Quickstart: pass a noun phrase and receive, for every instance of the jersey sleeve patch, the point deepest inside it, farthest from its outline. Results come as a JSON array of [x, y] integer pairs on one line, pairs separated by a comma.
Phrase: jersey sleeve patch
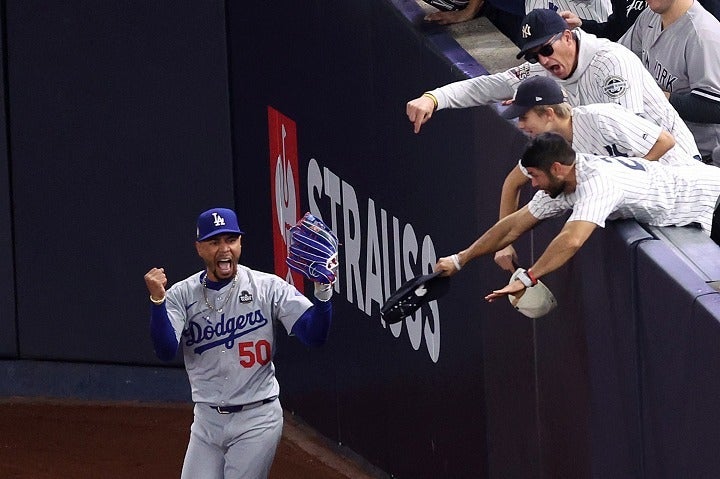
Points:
[[615, 86], [521, 72]]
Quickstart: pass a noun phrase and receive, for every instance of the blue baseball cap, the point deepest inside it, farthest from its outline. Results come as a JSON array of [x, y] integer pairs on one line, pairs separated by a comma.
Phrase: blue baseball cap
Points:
[[537, 90], [216, 221], [539, 26]]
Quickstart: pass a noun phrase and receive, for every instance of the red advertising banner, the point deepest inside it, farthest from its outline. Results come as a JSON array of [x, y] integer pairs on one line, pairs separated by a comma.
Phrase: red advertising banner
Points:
[[284, 188]]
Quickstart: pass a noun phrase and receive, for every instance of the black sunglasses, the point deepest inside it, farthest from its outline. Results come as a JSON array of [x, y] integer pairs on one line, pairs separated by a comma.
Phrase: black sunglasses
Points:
[[545, 50]]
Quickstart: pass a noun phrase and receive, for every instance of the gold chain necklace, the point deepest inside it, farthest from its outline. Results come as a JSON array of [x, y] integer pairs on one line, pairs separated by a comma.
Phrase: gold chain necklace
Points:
[[227, 298]]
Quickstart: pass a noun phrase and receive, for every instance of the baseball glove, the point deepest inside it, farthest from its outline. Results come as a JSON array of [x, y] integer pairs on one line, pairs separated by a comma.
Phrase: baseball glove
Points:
[[313, 250]]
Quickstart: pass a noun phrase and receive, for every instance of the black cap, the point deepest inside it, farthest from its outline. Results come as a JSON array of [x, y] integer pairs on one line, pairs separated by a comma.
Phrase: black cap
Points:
[[413, 294], [539, 26], [537, 90]]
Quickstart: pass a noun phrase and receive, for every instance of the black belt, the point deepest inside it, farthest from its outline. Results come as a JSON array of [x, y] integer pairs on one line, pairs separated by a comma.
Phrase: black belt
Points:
[[242, 407]]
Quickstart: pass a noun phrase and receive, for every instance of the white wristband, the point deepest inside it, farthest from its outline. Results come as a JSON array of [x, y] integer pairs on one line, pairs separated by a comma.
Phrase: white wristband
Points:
[[323, 292], [456, 261]]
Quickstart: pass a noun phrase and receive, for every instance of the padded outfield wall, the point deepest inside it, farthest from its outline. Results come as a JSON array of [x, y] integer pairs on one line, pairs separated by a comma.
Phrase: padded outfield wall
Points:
[[465, 389], [123, 120]]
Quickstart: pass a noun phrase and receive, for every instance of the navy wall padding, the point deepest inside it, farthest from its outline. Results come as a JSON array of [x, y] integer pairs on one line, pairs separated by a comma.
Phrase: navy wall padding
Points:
[[560, 396], [93, 381], [120, 137], [607, 308], [679, 337], [8, 318]]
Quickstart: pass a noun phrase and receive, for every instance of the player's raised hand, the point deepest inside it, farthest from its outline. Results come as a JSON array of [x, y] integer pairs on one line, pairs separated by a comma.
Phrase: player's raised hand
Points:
[[419, 111], [513, 288], [506, 258], [155, 280], [571, 18], [448, 265]]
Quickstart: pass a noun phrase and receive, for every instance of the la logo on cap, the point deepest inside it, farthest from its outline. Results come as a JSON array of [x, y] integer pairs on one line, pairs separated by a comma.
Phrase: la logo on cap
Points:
[[218, 220], [526, 30]]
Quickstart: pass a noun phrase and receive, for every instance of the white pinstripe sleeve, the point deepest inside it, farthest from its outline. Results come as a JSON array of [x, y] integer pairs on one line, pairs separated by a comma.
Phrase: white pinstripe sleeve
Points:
[[616, 78], [607, 129], [542, 207], [597, 199], [597, 10], [631, 134]]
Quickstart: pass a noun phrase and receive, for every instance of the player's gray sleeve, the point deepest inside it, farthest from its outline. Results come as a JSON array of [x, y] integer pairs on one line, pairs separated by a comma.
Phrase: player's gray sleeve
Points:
[[631, 40], [288, 303], [702, 103], [484, 89]]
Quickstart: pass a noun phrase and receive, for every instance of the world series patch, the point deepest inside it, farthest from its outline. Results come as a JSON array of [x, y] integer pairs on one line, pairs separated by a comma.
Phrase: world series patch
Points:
[[521, 72], [615, 86]]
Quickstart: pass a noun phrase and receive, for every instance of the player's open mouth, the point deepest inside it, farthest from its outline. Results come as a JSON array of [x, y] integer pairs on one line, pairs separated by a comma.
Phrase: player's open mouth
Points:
[[225, 266], [555, 70]]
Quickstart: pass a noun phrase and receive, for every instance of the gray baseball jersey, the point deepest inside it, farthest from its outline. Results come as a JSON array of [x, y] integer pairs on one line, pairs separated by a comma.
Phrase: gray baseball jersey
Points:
[[597, 10], [683, 57], [228, 350], [607, 72], [611, 130], [650, 192]]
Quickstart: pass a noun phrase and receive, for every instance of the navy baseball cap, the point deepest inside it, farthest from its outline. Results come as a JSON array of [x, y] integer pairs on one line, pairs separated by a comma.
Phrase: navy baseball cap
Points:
[[217, 221], [537, 90], [539, 26]]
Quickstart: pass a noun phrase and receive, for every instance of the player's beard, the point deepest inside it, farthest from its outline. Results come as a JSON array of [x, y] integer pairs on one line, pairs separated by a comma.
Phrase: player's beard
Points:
[[555, 186]]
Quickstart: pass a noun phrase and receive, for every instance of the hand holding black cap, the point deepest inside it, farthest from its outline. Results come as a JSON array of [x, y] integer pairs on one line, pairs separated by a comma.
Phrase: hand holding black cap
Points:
[[413, 294]]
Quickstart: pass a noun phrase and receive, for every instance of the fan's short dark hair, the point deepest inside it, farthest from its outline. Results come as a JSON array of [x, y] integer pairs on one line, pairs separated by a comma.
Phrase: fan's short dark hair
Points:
[[546, 149]]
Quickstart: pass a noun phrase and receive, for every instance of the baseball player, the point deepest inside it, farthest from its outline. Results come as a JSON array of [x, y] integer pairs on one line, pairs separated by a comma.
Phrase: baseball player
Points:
[[624, 13], [678, 41], [595, 189], [590, 69], [599, 129], [597, 10], [224, 317]]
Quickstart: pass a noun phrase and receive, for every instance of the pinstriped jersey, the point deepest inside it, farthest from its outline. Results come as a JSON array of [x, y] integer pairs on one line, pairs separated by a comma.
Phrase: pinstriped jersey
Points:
[[607, 72], [228, 350], [610, 130], [650, 192], [683, 57], [597, 10]]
